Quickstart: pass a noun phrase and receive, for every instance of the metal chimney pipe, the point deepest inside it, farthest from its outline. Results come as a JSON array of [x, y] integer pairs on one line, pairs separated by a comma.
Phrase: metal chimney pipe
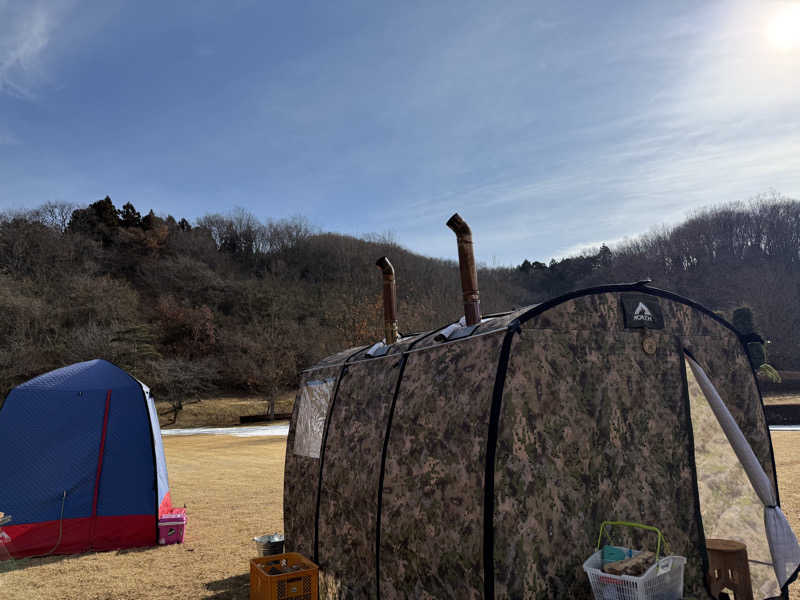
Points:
[[469, 274], [389, 300]]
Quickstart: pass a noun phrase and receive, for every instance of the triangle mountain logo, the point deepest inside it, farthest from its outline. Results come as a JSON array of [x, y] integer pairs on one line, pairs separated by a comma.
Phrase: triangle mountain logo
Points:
[[642, 313]]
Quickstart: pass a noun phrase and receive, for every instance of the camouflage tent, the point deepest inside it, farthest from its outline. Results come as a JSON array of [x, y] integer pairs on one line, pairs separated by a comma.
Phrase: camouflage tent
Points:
[[479, 462]]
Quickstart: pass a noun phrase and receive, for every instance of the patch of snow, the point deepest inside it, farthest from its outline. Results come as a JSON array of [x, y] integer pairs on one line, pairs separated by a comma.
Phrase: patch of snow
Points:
[[278, 430]]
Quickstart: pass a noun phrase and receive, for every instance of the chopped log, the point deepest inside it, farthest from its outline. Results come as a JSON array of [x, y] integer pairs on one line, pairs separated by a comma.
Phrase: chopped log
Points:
[[634, 566]]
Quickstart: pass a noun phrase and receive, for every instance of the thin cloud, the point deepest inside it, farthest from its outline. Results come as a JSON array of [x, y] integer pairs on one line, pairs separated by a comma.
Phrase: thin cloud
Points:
[[589, 247], [716, 129], [25, 33]]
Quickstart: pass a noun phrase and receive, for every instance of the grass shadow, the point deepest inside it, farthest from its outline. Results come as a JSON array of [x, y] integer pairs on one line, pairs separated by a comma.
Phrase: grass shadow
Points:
[[230, 588], [17, 564], [27, 563]]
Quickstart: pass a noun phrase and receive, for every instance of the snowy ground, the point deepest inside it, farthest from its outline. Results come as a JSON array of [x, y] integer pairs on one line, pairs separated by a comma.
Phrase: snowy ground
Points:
[[282, 429], [277, 430]]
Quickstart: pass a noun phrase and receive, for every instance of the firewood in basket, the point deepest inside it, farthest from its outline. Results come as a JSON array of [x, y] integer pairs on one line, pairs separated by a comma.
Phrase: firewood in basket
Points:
[[634, 566]]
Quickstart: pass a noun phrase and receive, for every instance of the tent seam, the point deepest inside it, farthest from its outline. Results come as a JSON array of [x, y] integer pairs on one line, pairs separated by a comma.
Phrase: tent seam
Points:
[[384, 454], [342, 373], [491, 454]]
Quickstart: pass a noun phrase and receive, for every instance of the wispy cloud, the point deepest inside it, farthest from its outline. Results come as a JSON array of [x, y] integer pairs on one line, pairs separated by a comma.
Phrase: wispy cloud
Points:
[[25, 33], [715, 123], [588, 247]]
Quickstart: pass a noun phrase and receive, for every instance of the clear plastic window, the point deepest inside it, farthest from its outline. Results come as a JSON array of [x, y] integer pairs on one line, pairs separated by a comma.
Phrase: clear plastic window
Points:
[[315, 397]]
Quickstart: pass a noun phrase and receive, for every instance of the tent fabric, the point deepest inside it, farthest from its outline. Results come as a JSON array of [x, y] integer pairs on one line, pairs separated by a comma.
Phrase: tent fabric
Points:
[[576, 418], [69, 536], [782, 541], [347, 464], [79, 467], [584, 437], [85, 376], [164, 500], [444, 461], [302, 472]]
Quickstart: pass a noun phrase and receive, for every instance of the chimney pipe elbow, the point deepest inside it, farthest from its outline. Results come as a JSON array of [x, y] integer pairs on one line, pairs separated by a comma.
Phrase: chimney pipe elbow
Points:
[[460, 227], [469, 272], [385, 266], [391, 332]]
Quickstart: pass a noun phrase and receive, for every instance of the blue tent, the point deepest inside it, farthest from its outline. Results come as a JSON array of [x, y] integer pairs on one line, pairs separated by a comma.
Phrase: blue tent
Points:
[[83, 466]]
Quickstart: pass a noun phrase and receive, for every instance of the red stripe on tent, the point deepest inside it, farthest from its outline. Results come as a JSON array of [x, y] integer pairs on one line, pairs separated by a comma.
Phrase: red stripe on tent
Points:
[[110, 533], [100, 463]]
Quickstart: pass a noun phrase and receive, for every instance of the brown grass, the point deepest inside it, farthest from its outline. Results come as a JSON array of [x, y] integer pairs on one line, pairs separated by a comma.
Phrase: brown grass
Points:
[[787, 462], [788, 398], [233, 490], [220, 412]]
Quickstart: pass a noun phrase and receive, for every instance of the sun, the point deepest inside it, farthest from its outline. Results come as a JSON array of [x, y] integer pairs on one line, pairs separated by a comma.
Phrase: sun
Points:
[[783, 29]]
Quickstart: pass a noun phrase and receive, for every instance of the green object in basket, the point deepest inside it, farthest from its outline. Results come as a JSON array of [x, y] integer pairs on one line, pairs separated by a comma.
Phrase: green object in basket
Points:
[[613, 554], [661, 541]]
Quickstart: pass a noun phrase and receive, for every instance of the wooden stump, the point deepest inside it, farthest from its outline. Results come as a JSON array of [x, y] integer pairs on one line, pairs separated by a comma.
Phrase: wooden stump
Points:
[[728, 568]]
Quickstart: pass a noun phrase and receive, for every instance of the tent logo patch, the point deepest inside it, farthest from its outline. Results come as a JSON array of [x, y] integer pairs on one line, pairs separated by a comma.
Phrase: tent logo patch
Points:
[[641, 311]]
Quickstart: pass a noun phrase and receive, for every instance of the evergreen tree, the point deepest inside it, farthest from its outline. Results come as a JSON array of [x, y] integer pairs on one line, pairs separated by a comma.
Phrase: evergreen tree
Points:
[[99, 220], [129, 216]]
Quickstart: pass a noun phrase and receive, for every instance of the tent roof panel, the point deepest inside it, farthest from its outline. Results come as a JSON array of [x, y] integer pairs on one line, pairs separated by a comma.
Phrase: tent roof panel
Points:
[[83, 376], [501, 321]]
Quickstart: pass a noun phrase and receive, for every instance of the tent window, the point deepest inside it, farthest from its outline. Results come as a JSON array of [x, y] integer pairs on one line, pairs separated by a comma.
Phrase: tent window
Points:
[[315, 397], [732, 485]]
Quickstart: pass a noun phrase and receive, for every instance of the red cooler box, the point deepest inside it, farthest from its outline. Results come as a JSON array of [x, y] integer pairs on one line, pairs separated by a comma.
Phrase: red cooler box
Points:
[[171, 527]]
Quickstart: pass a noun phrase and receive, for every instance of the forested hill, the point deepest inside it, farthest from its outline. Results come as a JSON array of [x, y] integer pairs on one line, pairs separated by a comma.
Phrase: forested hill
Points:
[[232, 305]]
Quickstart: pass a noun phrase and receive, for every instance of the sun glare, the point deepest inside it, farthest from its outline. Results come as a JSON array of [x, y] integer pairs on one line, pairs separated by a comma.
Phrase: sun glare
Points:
[[783, 29]]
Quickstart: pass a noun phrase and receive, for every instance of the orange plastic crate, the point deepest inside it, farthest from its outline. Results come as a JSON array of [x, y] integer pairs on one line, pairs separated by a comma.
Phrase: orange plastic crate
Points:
[[288, 576]]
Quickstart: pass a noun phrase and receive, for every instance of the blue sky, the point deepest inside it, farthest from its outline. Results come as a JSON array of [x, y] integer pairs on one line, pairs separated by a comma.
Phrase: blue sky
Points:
[[548, 126]]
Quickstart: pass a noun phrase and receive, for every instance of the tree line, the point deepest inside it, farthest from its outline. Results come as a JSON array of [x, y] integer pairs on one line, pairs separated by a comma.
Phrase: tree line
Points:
[[231, 304], [742, 254]]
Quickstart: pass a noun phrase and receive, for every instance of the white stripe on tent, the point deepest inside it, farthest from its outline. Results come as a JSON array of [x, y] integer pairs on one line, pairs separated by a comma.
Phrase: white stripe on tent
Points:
[[782, 541]]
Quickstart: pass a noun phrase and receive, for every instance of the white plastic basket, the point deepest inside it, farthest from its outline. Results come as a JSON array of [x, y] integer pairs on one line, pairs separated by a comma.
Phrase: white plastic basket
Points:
[[662, 581]]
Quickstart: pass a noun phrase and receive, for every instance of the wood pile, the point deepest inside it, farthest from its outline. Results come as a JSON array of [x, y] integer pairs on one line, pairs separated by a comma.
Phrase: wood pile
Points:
[[634, 566]]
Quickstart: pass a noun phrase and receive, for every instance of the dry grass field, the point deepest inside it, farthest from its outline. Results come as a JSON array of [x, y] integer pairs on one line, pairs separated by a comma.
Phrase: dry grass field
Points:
[[220, 412], [233, 490], [787, 398]]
